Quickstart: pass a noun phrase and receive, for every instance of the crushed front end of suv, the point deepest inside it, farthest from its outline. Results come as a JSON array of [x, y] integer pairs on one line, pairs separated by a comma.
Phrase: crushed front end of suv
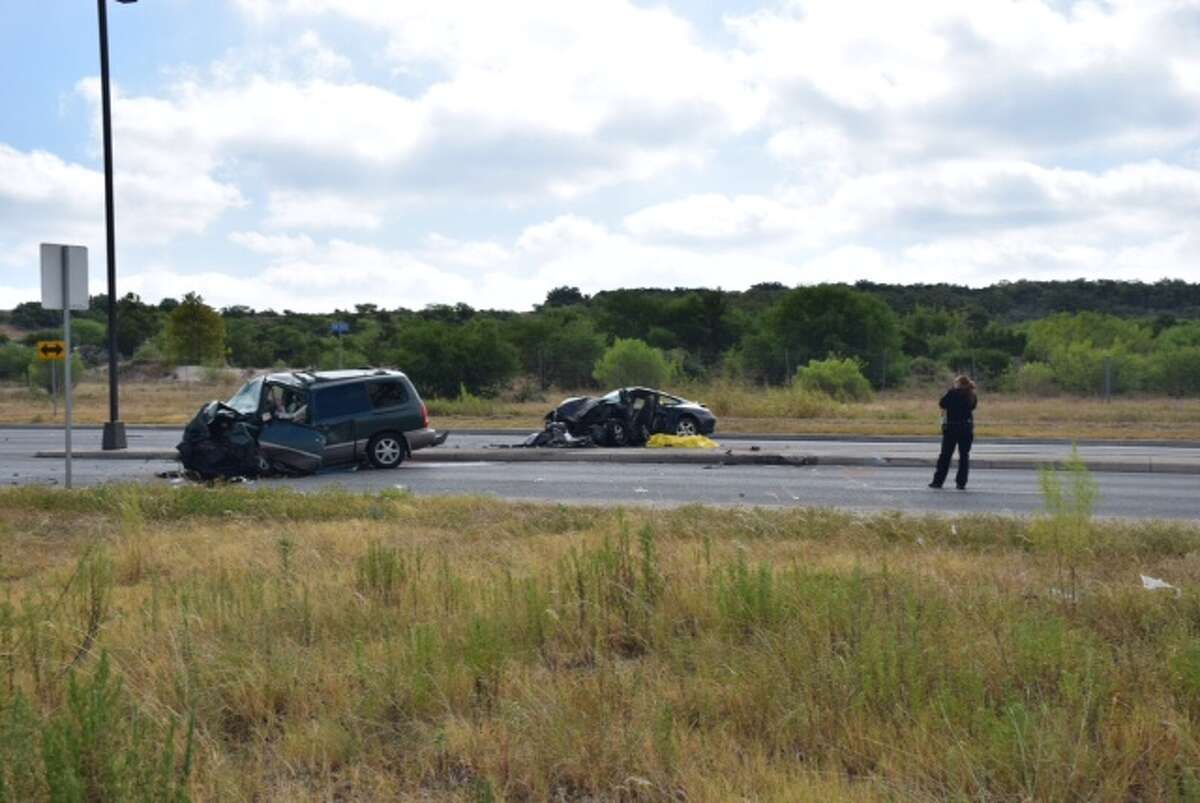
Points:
[[300, 421], [623, 417]]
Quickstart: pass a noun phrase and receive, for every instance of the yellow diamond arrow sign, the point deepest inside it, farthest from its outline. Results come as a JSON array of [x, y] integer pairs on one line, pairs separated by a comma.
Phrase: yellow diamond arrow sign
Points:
[[51, 350]]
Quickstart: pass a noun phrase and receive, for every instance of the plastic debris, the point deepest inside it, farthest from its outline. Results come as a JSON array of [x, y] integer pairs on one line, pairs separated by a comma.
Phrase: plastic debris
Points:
[[661, 441], [1154, 584]]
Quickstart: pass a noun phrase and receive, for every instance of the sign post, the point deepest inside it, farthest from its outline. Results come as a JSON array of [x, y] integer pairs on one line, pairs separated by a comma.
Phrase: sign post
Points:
[[64, 286], [339, 328]]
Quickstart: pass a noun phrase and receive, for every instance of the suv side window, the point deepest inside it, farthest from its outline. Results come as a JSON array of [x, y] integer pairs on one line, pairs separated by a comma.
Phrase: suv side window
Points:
[[387, 393], [341, 400]]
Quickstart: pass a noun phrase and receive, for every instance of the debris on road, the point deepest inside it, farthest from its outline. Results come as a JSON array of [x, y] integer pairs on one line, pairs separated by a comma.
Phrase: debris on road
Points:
[[556, 436]]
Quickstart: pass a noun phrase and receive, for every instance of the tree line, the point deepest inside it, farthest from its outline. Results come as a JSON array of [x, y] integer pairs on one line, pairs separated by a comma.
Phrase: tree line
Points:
[[1033, 337]]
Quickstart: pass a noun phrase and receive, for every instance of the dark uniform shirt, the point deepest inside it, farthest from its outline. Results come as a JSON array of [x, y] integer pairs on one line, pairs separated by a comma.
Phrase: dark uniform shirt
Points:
[[958, 404]]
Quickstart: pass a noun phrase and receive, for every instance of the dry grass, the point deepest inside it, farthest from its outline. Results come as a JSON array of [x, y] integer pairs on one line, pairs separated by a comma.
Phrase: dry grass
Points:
[[141, 402], [738, 409], [337, 646]]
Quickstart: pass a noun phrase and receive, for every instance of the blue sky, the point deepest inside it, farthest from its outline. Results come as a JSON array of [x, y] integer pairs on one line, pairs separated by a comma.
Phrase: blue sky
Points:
[[312, 154]]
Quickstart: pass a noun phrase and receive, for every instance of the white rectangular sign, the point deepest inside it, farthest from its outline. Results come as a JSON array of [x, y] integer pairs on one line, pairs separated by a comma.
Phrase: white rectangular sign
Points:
[[52, 276]]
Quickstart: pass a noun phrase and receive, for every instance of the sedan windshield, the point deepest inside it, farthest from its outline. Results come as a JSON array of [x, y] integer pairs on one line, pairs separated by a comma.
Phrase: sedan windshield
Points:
[[246, 399]]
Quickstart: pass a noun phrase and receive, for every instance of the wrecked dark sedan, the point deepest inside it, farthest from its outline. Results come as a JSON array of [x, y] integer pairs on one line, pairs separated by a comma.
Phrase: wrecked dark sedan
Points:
[[629, 416], [299, 421]]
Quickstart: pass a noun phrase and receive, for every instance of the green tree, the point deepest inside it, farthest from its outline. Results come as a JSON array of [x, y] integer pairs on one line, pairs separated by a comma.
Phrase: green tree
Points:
[[31, 315], [811, 323], [442, 358], [558, 346], [195, 333], [248, 347], [564, 297], [632, 362], [136, 323]]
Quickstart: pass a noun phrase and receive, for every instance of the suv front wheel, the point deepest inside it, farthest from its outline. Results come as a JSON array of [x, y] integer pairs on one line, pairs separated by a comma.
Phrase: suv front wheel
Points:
[[386, 450]]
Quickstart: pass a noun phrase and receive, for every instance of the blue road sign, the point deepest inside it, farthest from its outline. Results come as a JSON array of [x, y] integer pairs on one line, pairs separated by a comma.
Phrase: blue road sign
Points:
[[340, 328]]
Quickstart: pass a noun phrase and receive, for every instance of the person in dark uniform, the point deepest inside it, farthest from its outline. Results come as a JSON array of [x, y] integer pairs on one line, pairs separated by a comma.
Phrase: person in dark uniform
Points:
[[958, 431]]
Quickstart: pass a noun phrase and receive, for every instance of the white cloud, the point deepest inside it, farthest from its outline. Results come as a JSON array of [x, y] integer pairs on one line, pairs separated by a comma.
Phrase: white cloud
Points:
[[713, 216], [289, 209], [281, 245], [543, 97], [1013, 79], [46, 199]]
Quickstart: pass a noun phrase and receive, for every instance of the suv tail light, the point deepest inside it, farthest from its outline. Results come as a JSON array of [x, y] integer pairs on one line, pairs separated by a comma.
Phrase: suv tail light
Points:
[[424, 415]]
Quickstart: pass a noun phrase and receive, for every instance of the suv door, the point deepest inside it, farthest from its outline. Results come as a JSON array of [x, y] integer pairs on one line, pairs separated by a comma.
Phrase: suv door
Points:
[[286, 441], [336, 411]]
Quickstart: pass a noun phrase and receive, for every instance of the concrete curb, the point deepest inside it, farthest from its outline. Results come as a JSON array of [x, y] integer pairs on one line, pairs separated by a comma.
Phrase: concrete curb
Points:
[[697, 457], [520, 434]]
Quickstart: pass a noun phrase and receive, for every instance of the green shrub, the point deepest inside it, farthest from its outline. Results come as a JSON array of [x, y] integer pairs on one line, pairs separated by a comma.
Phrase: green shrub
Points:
[[86, 332], [14, 360], [987, 364], [632, 362], [1080, 368], [40, 373], [1175, 371], [1034, 379], [923, 371], [153, 352], [465, 404], [842, 379]]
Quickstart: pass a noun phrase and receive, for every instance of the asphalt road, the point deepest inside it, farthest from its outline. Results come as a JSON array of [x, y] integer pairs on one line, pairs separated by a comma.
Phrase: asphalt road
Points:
[[865, 489]]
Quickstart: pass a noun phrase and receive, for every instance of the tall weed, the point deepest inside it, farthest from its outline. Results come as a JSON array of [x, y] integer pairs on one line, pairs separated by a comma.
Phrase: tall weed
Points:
[[1066, 532]]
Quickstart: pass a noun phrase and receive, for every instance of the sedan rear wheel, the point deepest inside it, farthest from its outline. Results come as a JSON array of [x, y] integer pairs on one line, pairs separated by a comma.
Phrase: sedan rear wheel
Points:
[[385, 450], [617, 435], [687, 426]]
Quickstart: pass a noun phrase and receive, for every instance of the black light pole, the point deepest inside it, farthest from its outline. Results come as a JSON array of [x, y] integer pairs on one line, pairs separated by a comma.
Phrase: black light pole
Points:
[[114, 428]]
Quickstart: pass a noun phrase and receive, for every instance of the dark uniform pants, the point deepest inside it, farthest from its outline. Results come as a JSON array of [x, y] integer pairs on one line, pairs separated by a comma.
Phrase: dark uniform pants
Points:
[[960, 436]]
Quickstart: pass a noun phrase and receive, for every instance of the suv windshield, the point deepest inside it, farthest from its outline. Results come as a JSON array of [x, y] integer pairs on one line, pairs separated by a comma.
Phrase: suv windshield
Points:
[[246, 399]]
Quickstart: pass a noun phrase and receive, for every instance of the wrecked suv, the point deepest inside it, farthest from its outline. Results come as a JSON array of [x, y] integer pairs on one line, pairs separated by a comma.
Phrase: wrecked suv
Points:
[[299, 421], [629, 416]]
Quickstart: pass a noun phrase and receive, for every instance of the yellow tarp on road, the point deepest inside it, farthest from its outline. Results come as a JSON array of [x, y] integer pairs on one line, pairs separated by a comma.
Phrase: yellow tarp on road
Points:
[[680, 442]]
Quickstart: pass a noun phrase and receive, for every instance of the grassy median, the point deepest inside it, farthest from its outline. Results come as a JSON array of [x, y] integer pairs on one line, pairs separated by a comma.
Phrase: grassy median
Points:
[[241, 644], [739, 409]]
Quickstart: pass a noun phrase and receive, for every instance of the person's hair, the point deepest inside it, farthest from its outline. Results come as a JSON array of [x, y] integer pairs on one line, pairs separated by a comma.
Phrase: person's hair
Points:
[[964, 382]]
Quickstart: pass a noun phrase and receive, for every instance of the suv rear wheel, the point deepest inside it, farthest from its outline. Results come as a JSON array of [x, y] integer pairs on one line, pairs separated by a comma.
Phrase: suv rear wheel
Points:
[[386, 450]]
